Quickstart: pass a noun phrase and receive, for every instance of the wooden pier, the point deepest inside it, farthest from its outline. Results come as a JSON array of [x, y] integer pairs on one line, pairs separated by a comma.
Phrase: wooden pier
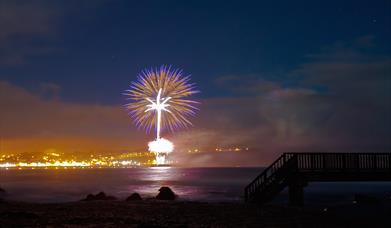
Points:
[[295, 170]]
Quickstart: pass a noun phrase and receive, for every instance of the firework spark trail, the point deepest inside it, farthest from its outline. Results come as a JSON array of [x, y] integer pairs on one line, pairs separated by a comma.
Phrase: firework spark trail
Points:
[[174, 90]]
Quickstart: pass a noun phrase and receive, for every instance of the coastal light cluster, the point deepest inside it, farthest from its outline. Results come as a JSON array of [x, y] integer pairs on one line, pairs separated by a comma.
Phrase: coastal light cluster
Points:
[[81, 164], [60, 160]]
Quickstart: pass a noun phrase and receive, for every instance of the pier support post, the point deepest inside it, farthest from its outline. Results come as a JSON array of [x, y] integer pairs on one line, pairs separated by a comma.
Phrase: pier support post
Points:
[[296, 191]]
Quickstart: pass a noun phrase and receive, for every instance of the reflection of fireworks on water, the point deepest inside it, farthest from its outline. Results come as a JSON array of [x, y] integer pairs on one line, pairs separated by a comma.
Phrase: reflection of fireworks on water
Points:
[[156, 91]]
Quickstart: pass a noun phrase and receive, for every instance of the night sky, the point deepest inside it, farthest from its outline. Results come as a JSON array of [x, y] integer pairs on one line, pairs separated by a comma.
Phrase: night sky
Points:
[[274, 76]]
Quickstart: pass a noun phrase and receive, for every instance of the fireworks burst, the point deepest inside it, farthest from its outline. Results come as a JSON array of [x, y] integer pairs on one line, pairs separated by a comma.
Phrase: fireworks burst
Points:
[[157, 90]]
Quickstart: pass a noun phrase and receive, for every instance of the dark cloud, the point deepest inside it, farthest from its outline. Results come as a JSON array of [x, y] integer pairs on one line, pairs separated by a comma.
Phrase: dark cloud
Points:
[[24, 21], [50, 90], [360, 86], [367, 41], [26, 18], [34, 28], [247, 85]]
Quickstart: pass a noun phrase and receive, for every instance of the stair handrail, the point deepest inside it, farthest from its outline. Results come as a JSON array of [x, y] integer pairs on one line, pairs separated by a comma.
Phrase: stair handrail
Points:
[[266, 174]]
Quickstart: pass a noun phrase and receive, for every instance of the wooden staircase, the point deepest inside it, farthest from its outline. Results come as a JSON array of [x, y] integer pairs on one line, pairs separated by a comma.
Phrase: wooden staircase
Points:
[[295, 170]]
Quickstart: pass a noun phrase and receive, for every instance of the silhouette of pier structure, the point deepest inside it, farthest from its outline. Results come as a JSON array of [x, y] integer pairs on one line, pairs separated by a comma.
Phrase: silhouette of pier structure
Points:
[[295, 170]]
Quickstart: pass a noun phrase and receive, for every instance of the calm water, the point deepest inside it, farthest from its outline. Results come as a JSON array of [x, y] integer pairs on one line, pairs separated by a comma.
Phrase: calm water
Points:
[[204, 184]]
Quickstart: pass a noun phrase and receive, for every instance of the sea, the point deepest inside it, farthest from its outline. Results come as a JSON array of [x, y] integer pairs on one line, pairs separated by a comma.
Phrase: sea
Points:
[[190, 184]]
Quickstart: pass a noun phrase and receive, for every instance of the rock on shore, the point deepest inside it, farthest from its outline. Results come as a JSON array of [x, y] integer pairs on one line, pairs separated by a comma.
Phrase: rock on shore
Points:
[[134, 197], [165, 193], [99, 196]]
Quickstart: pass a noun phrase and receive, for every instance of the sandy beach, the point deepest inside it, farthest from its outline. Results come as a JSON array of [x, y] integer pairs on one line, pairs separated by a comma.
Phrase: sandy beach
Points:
[[140, 214], [153, 213]]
